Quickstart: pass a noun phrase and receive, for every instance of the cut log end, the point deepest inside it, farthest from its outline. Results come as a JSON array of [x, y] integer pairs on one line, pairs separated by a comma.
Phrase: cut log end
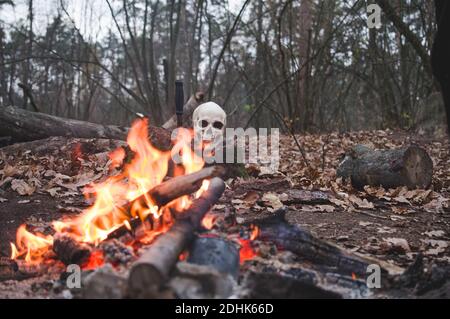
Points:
[[410, 166], [418, 167]]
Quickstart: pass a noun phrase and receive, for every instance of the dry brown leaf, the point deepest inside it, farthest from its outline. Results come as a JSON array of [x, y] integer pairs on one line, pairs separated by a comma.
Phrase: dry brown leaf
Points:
[[435, 233], [21, 187], [53, 191], [398, 243], [401, 210], [402, 199], [272, 200], [361, 203], [250, 198], [437, 246]]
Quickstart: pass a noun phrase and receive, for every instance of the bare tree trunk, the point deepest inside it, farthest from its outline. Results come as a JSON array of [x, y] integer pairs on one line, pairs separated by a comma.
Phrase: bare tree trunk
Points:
[[172, 63], [224, 47], [304, 43], [28, 70], [407, 33], [441, 53], [3, 74], [153, 70]]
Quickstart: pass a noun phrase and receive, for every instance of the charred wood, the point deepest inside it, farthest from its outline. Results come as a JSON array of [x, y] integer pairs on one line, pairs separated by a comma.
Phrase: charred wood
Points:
[[152, 269], [312, 249], [8, 269], [69, 251]]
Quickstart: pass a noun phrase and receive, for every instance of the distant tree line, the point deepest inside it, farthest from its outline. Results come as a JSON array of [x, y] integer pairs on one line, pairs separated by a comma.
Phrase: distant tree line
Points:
[[302, 65]]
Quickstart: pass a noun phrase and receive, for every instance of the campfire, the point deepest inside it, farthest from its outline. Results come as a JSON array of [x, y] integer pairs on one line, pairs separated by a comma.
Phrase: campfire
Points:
[[142, 200]]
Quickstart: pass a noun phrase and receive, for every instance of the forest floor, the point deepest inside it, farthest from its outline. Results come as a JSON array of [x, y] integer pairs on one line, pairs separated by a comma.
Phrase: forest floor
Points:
[[392, 225]]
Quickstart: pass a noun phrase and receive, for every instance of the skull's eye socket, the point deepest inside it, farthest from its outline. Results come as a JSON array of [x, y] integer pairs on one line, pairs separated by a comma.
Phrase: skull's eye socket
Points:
[[204, 123], [218, 125]]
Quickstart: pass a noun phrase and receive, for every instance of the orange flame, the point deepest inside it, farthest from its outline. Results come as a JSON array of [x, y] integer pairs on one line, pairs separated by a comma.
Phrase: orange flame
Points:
[[33, 246], [255, 232], [147, 169], [117, 157], [208, 221]]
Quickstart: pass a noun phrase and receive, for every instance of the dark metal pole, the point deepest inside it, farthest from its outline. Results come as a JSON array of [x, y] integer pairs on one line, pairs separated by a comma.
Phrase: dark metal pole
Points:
[[179, 102]]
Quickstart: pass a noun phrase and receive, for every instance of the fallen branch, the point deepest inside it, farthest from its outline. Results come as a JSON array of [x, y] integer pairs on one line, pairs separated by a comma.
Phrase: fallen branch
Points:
[[23, 125], [152, 269], [318, 251]]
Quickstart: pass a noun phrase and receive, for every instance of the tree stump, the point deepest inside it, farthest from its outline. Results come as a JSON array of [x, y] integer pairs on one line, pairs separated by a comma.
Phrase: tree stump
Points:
[[409, 166]]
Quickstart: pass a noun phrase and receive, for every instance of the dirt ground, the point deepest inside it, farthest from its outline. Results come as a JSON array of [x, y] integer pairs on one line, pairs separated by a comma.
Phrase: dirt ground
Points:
[[392, 225]]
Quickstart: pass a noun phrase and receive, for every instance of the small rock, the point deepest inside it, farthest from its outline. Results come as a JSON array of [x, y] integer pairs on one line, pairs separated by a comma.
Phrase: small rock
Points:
[[103, 283], [196, 281]]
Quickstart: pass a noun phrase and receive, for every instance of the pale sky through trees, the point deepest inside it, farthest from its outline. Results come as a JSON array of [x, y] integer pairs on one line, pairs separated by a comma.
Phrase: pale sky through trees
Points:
[[92, 17]]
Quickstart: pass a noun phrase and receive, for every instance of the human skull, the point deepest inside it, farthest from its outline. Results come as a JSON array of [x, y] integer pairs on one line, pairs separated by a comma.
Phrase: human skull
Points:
[[209, 121]]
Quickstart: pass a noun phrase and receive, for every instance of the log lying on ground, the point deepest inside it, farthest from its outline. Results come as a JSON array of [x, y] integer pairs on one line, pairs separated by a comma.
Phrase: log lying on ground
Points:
[[266, 285], [409, 166], [22, 126], [315, 250], [152, 269]]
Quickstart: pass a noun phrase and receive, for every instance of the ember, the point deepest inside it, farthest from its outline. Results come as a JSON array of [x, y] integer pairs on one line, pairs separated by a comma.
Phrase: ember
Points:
[[247, 251], [96, 259]]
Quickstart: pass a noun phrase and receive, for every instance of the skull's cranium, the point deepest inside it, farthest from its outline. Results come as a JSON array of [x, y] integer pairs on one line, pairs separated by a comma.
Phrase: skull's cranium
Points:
[[209, 121]]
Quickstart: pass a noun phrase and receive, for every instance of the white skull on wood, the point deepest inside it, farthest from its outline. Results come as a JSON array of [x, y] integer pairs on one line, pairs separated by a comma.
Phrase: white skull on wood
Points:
[[209, 121]]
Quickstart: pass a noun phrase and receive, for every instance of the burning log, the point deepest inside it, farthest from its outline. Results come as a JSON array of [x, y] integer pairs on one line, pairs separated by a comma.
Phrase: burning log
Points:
[[69, 251], [410, 166], [179, 186], [166, 192], [154, 266], [22, 125], [8, 269]]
